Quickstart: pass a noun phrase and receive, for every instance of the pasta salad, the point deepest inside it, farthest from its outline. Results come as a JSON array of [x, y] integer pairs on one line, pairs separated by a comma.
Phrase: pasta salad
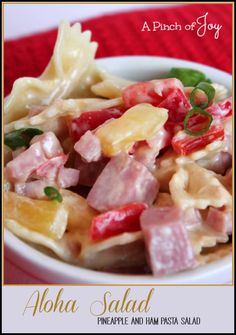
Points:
[[116, 175]]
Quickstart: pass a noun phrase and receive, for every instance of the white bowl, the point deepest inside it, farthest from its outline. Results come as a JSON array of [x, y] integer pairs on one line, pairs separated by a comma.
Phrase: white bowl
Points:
[[54, 271]]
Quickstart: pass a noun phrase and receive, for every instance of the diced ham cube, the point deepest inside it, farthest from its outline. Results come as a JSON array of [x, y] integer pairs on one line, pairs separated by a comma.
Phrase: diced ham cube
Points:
[[122, 181], [20, 188], [89, 147], [166, 239], [67, 177], [20, 168], [147, 151], [50, 168], [17, 152], [50, 144], [33, 189], [218, 162], [220, 219]]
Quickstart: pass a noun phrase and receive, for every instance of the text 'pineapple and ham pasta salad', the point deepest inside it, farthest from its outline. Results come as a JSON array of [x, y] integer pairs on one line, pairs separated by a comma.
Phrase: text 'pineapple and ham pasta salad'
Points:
[[116, 175]]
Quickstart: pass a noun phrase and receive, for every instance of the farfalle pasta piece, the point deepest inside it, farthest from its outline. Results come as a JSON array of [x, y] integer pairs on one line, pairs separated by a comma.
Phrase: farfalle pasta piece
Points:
[[194, 186], [75, 246], [205, 237], [221, 92], [215, 253], [166, 167], [72, 61], [80, 214], [60, 108], [110, 86], [58, 247], [122, 251], [109, 253]]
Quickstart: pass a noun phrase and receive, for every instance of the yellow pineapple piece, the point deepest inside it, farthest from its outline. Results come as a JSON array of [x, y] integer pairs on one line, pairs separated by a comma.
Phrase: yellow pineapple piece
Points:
[[46, 217], [139, 123]]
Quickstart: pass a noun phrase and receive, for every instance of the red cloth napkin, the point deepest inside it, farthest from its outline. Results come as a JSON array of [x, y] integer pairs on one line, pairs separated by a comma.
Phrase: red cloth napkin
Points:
[[120, 34]]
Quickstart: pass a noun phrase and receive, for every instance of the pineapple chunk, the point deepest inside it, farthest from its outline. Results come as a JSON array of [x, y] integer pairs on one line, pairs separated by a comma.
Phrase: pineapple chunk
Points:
[[46, 217], [139, 123]]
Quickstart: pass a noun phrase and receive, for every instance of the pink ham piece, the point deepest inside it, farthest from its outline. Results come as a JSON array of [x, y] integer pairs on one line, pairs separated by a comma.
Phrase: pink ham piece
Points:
[[33, 189], [67, 177], [17, 152], [122, 181], [220, 219], [50, 144], [168, 246], [53, 171], [50, 168], [89, 147], [19, 169], [147, 151], [218, 163]]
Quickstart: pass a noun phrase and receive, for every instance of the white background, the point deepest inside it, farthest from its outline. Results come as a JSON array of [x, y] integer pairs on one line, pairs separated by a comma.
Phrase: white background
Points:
[[24, 19]]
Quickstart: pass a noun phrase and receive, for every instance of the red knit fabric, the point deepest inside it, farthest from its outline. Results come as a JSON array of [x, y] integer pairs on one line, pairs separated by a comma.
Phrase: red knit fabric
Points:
[[120, 34]]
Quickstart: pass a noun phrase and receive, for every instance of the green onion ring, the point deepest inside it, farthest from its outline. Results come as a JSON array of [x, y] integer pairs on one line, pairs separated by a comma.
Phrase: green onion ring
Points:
[[21, 137], [207, 89], [197, 110], [52, 193]]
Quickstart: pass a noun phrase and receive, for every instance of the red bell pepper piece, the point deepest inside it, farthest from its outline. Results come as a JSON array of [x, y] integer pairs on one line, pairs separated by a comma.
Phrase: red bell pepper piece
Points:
[[177, 104], [164, 93], [91, 120], [184, 144], [117, 221]]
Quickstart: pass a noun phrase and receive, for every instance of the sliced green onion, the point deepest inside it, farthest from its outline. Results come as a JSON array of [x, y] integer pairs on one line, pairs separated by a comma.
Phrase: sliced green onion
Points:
[[21, 137], [207, 89], [193, 111], [189, 77], [52, 193]]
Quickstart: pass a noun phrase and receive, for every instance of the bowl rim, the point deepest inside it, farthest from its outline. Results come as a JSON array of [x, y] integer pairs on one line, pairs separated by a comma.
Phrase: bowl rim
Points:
[[202, 275]]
